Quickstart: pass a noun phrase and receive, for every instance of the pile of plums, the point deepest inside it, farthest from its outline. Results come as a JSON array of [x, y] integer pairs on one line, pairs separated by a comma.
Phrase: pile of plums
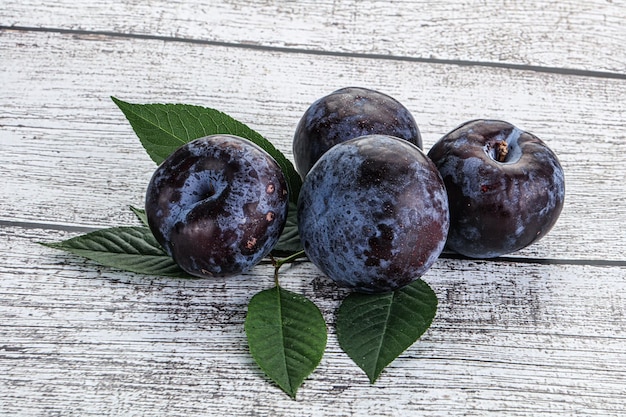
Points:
[[375, 211]]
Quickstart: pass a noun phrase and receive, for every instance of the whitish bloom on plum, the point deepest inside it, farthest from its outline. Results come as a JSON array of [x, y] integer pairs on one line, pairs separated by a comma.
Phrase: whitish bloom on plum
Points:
[[373, 213], [217, 205]]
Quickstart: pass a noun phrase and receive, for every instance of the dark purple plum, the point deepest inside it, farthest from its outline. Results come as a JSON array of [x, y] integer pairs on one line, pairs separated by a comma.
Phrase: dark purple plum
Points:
[[373, 213], [505, 187], [346, 114], [217, 205]]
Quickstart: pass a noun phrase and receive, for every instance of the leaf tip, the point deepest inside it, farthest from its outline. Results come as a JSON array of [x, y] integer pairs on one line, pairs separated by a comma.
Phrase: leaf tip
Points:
[[373, 377], [121, 104], [53, 245]]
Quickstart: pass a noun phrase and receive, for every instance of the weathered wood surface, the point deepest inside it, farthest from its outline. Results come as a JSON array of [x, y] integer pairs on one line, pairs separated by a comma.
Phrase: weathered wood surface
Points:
[[558, 34], [510, 337], [581, 118]]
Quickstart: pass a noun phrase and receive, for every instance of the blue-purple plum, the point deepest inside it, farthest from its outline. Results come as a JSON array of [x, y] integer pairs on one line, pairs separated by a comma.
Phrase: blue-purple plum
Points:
[[373, 213], [505, 187], [217, 205], [346, 114]]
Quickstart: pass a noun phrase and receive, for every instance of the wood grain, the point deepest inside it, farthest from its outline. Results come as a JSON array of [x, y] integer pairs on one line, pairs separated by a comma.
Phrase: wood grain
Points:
[[555, 34], [512, 337], [78, 339], [66, 136]]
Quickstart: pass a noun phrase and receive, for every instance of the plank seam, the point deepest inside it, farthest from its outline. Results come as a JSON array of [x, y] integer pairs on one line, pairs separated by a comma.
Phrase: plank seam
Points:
[[577, 72], [446, 255]]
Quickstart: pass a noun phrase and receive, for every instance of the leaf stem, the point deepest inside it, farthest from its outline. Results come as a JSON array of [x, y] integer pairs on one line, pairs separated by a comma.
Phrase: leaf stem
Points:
[[278, 263]]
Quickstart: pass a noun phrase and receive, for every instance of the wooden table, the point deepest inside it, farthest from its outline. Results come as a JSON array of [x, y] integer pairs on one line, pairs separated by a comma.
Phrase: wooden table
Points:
[[542, 332]]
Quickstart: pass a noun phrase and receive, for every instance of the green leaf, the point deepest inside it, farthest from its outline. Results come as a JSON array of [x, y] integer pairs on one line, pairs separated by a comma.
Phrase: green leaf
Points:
[[374, 329], [163, 128], [131, 249], [286, 335], [141, 215], [289, 241]]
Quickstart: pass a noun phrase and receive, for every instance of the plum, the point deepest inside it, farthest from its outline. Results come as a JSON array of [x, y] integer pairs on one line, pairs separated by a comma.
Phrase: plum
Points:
[[505, 187], [373, 213], [217, 205], [346, 114]]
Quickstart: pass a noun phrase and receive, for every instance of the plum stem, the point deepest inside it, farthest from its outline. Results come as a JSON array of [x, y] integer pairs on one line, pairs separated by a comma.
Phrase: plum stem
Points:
[[277, 263], [502, 150]]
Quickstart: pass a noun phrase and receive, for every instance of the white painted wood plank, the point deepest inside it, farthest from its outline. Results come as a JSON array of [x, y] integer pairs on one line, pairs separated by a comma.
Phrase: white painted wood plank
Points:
[[508, 339], [586, 35], [69, 156]]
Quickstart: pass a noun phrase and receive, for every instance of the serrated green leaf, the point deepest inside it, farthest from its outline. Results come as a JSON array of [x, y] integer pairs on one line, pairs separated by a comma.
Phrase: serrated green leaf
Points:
[[374, 329], [286, 335], [163, 128], [131, 249], [289, 241], [141, 215]]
